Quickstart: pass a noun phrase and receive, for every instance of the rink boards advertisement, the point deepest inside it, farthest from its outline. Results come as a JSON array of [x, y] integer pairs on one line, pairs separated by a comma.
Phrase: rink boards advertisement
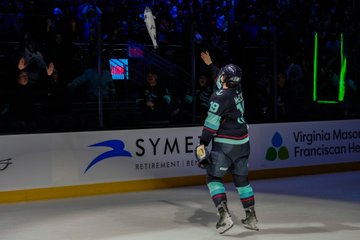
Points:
[[79, 158]]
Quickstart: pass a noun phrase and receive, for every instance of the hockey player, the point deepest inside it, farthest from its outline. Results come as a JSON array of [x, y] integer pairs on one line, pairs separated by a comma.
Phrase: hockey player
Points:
[[226, 128]]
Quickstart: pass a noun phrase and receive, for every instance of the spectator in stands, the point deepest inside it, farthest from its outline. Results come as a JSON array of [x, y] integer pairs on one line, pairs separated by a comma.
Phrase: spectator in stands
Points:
[[12, 17], [89, 14], [59, 51], [262, 91], [90, 79], [154, 99], [32, 60], [34, 74], [202, 96], [295, 87], [24, 105]]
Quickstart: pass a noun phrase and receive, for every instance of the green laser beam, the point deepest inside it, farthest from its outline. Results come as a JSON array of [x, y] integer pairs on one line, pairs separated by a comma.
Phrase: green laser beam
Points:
[[342, 75], [315, 68], [326, 102], [342, 72]]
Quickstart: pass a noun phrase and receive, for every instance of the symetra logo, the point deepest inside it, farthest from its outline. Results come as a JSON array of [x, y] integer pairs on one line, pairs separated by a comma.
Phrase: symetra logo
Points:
[[4, 163], [118, 150], [277, 150]]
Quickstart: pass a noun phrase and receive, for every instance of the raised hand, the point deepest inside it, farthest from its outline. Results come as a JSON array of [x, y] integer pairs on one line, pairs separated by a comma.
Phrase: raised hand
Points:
[[22, 64], [205, 56], [50, 69]]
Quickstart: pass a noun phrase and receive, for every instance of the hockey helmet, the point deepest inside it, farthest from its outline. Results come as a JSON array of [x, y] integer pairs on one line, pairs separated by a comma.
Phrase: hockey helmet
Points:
[[232, 74]]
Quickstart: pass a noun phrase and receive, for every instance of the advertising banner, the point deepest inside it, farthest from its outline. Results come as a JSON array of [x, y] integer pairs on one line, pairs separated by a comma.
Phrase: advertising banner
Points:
[[286, 145], [78, 158]]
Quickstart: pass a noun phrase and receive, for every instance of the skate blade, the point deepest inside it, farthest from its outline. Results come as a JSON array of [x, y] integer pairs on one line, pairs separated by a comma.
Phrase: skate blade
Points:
[[225, 228], [254, 228]]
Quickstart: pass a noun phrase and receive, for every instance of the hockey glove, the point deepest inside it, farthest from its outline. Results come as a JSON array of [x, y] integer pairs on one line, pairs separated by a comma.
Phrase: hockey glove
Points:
[[202, 156]]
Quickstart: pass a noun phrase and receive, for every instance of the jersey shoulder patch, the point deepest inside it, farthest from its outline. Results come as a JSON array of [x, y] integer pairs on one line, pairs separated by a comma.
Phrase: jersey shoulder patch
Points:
[[219, 92]]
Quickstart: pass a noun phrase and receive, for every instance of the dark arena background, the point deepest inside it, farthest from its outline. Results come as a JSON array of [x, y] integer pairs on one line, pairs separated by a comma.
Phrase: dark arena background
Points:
[[89, 150], [292, 54]]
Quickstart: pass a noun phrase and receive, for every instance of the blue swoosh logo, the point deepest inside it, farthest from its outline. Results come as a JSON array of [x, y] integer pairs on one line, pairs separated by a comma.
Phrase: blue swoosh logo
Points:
[[118, 150]]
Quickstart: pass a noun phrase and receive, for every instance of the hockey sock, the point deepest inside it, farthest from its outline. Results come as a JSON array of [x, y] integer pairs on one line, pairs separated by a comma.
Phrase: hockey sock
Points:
[[217, 192], [246, 195]]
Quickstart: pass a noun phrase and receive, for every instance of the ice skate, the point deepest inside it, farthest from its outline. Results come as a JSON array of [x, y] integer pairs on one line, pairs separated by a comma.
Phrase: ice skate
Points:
[[250, 221], [225, 222]]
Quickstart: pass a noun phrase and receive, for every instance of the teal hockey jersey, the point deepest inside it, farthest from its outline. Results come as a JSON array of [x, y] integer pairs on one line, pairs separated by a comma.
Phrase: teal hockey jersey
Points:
[[225, 121]]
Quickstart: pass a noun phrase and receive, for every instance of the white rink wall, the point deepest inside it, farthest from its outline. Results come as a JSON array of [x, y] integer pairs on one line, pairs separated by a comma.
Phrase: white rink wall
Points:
[[64, 159]]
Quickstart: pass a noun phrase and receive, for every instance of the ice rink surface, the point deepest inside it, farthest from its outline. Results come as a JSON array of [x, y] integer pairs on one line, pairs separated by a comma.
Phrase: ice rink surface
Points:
[[314, 207]]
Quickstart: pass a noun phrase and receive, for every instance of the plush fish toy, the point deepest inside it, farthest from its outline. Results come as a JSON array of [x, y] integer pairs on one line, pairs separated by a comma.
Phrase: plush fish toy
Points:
[[150, 25]]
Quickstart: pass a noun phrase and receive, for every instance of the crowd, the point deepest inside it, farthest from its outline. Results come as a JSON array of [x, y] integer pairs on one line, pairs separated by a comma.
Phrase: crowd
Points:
[[55, 44]]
